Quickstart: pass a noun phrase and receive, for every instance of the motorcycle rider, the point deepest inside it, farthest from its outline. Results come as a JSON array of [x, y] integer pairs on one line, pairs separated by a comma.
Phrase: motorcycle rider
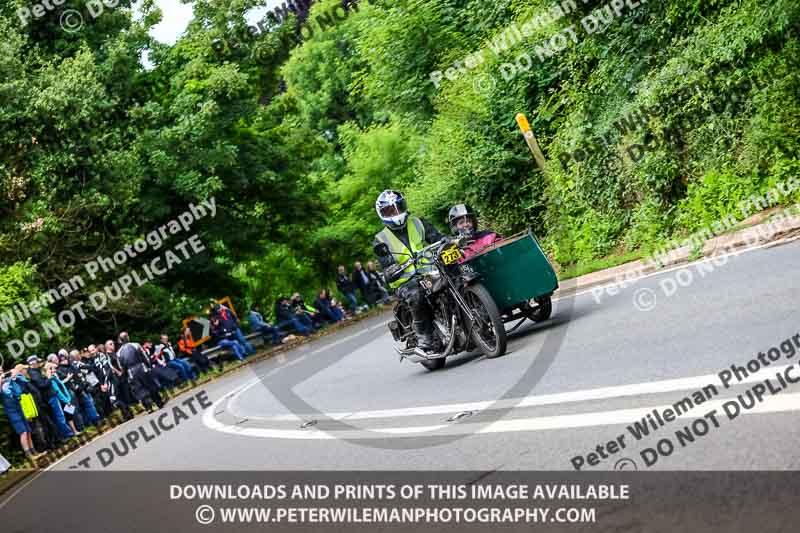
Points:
[[464, 223], [403, 235]]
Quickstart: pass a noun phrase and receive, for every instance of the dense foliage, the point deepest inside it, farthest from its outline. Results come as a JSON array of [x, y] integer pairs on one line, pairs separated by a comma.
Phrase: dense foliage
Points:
[[294, 137]]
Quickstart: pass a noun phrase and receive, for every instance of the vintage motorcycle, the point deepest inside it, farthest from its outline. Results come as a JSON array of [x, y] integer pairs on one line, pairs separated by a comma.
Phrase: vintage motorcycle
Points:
[[465, 316], [509, 280]]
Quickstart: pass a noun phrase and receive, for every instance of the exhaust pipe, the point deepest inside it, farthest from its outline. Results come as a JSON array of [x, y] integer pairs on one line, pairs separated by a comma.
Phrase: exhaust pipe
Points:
[[415, 355]]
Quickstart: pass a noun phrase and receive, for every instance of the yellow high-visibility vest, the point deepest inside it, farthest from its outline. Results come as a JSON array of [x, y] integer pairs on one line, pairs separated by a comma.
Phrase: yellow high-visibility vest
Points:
[[416, 239]]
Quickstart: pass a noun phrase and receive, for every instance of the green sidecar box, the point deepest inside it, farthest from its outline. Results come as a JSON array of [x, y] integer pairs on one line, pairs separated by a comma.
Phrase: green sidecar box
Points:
[[515, 271]]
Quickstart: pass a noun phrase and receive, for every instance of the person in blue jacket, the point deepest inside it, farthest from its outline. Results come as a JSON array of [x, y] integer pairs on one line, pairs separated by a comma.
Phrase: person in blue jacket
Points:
[[10, 393], [60, 398], [257, 323]]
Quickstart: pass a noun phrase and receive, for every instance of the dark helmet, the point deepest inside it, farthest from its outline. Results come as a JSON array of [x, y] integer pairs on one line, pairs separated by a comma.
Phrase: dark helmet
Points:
[[458, 212]]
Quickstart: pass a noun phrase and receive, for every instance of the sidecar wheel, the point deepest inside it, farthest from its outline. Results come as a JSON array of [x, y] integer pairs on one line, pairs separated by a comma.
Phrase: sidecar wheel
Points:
[[543, 311]]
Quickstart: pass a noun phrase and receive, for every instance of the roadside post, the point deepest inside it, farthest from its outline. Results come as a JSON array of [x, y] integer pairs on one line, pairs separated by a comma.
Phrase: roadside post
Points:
[[527, 132]]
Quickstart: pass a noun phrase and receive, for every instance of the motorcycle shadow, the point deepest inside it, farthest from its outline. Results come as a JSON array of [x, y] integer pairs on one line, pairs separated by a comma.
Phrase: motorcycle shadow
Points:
[[525, 330], [530, 328]]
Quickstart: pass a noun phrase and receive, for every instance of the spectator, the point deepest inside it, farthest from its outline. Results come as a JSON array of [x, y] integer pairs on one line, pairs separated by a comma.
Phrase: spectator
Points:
[[147, 349], [346, 287], [106, 372], [189, 349], [257, 323], [184, 369], [165, 376], [71, 375], [89, 384], [326, 308], [306, 313], [335, 304], [41, 381], [226, 338], [286, 317], [10, 394], [231, 323], [376, 283], [44, 431], [123, 393], [59, 398], [137, 368], [361, 280], [87, 366], [69, 400]]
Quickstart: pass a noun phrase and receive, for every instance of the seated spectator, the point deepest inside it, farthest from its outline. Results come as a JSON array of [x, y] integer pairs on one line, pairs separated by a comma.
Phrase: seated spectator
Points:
[[231, 323], [10, 394], [348, 290], [287, 318], [184, 369], [189, 349], [307, 311], [336, 304], [326, 308], [165, 376], [226, 338], [257, 323]]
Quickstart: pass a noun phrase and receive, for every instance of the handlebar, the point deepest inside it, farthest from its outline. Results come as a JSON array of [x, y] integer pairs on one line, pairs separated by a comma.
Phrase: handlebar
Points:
[[441, 243]]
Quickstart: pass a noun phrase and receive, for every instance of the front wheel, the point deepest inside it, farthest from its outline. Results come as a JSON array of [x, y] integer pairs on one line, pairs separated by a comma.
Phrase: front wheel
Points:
[[489, 332]]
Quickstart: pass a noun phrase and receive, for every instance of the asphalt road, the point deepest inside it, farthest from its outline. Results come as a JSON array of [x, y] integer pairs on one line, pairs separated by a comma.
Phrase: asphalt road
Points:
[[566, 386]]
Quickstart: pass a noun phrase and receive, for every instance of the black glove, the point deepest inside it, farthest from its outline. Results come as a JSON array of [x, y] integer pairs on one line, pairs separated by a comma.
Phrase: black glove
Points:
[[391, 273]]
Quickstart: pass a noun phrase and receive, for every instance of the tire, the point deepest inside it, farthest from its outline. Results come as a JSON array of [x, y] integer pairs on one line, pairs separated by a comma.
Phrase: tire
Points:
[[487, 310], [543, 311], [434, 364]]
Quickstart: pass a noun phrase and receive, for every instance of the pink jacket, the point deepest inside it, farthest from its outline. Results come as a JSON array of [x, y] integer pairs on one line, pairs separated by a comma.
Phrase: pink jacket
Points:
[[484, 239]]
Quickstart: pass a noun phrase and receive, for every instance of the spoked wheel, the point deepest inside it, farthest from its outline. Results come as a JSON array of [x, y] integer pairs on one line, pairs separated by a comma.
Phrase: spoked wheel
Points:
[[489, 333], [543, 311]]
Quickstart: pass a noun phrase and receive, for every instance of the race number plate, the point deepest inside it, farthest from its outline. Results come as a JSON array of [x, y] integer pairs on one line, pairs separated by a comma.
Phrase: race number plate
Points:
[[451, 255]]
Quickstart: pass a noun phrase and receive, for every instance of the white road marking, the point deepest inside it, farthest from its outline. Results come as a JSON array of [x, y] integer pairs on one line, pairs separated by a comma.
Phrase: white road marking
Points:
[[602, 393], [772, 404], [575, 396]]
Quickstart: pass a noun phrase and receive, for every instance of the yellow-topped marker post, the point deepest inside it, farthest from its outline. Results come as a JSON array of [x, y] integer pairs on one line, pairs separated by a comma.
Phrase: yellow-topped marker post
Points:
[[527, 132]]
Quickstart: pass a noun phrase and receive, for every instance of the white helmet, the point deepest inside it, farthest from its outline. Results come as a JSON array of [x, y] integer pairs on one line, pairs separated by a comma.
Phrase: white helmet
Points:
[[391, 208]]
